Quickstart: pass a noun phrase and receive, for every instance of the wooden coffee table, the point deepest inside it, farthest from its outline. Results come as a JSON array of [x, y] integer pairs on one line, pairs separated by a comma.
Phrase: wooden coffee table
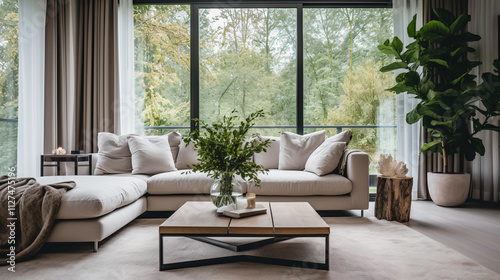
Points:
[[284, 220]]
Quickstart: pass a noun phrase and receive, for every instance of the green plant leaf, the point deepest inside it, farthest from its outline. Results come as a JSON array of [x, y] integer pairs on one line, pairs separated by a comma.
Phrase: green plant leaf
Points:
[[440, 62], [399, 88], [431, 94], [459, 51], [398, 45], [426, 87], [412, 78], [468, 37], [412, 45], [413, 116], [460, 23], [400, 77], [393, 66], [454, 82], [478, 147], [445, 16], [388, 48], [412, 27], [429, 145], [434, 31]]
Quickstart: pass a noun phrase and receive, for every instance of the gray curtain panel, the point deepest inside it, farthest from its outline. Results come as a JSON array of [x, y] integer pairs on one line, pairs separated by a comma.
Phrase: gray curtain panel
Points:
[[97, 95], [428, 161], [81, 73], [60, 61]]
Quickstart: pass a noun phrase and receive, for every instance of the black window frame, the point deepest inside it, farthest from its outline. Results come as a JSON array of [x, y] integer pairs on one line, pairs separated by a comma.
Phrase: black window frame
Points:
[[299, 5]]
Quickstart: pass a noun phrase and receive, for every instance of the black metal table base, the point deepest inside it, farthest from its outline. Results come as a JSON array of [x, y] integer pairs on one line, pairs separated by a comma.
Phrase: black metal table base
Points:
[[246, 258]]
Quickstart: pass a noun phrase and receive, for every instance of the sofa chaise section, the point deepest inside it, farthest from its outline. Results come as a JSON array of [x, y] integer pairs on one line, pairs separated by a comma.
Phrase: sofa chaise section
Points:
[[97, 207]]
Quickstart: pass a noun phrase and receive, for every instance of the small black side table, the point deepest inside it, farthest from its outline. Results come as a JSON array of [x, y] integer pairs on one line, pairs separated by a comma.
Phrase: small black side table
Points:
[[76, 158]]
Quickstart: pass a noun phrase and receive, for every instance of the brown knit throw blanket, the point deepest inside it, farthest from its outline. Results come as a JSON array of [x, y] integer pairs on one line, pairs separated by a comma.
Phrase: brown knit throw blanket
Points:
[[26, 227]]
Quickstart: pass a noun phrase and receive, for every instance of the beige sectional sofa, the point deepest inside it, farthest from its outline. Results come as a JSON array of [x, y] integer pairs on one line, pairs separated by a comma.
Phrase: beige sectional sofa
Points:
[[102, 204]]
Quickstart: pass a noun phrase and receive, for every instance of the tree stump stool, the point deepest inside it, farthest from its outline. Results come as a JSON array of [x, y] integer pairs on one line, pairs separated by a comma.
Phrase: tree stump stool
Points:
[[393, 200]]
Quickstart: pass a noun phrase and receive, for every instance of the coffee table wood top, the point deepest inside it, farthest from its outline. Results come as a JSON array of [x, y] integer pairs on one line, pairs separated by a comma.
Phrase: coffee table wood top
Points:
[[282, 218]]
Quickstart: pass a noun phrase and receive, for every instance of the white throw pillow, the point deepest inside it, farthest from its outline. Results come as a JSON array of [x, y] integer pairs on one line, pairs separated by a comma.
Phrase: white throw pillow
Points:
[[114, 154], [325, 158], [187, 157], [151, 154], [270, 158], [295, 149]]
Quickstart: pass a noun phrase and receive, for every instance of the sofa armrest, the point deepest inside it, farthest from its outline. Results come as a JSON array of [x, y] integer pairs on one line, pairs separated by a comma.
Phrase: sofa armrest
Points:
[[357, 171], [95, 158]]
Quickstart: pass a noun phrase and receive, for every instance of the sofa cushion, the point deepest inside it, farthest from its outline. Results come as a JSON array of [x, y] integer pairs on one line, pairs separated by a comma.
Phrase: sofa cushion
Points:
[[325, 158], [95, 196], [295, 149], [187, 156], [151, 155], [177, 183], [300, 183], [270, 158], [114, 154]]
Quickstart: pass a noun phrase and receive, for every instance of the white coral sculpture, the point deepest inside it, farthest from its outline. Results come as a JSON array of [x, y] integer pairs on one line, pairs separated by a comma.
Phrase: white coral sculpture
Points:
[[385, 165], [400, 170], [389, 167]]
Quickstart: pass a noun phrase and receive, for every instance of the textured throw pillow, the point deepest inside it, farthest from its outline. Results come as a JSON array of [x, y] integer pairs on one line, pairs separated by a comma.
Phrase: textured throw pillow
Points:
[[344, 136], [114, 154], [325, 158], [174, 140], [295, 149], [151, 154], [187, 157], [270, 158]]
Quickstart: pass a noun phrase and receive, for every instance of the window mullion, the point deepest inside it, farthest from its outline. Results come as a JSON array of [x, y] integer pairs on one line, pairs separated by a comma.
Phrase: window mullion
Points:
[[195, 66], [300, 71]]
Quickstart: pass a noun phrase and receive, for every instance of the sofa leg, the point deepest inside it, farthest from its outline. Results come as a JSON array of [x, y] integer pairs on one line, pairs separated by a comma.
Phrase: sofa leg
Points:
[[362, 213], [96, 246]]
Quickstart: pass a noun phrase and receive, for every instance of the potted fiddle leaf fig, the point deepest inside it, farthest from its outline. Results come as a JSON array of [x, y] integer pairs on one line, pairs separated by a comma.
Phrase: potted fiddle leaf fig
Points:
[[435, 68]]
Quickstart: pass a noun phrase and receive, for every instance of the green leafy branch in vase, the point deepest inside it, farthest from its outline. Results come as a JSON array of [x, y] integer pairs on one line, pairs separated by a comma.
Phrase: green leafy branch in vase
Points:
[[225, 150]]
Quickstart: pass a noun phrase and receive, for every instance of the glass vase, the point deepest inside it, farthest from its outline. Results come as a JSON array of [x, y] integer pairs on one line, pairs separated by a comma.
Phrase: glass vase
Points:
[[225, 192]]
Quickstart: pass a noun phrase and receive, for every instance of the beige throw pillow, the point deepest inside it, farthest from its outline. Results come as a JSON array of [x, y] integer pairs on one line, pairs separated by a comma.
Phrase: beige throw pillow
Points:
[[325, 158], [114, 154], [270, 158], [151, 154], [187, 157], [295, 149], [344, 136]]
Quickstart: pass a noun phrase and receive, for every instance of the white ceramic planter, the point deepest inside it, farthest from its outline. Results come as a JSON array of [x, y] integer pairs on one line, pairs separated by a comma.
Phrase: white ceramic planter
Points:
[[448, 189]]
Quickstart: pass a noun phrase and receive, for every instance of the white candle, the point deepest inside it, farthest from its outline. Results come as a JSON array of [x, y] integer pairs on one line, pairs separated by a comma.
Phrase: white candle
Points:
[[250, 200]]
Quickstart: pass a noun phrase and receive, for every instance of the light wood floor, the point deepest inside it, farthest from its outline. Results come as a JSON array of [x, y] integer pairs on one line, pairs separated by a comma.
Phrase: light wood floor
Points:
[[472, 229]]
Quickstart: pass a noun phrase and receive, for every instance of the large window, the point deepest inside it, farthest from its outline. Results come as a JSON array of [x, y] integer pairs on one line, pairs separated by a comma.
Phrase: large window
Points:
[[342, 81], [9, 76], [309, 68], [162, 67], [247, 63]]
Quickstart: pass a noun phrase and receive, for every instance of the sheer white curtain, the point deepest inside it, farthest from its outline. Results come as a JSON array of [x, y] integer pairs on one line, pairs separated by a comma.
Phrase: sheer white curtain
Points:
[[126, 62], [31, 86], [408, 135], [485, 169]]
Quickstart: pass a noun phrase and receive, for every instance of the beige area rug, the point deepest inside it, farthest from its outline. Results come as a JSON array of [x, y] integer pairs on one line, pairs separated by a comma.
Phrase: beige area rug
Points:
[[360, 248]]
